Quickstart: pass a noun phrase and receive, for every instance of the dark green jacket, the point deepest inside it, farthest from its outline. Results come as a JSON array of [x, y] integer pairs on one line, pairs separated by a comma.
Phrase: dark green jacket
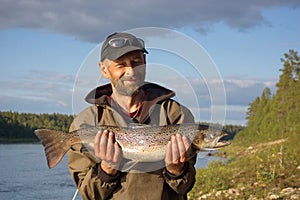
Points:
[[158, 109]]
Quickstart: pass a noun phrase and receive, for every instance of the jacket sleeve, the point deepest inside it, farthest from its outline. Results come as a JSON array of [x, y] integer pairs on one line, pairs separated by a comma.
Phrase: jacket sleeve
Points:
[[84, 167], [183, 183]]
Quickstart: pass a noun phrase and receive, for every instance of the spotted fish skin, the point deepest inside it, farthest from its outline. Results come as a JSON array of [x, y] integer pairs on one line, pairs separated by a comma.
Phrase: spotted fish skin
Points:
[[138, 143]]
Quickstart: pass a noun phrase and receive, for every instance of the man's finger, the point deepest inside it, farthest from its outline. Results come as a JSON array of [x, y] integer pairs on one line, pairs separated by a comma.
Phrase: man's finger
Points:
[[103, 145], [96, 143], [117, 153], [175, 150], [168, 158], [181, 147], [110, 147], [186, 146], [186, 142]]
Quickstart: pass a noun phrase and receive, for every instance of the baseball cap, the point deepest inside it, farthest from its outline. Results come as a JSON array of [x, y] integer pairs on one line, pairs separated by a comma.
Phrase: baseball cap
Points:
[[118, 44]]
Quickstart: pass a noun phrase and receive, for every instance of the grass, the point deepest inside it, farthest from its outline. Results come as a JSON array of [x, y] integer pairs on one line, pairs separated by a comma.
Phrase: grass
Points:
[[253, 169]]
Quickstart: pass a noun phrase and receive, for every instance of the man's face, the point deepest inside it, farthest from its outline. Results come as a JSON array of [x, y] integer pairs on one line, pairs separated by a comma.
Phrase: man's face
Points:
[[127, 73]]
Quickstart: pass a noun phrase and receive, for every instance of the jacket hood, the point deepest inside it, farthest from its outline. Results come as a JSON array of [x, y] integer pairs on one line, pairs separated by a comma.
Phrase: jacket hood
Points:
[[153, 93]]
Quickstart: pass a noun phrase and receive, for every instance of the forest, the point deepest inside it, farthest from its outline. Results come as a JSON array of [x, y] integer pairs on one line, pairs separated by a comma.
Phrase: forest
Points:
[[19, 127]]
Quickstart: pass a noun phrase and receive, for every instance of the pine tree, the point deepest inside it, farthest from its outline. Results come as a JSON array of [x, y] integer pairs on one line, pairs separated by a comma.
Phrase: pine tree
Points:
[[251, 113], [286, 100]]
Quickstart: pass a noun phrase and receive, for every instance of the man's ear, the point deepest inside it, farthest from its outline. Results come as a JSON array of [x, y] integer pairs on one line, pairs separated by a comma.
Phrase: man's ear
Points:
[[103, 69]]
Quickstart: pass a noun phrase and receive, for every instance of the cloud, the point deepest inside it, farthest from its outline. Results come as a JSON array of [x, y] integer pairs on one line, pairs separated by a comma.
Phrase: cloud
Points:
[[243, 91], [93, 20], [37, 91], [33, 105], [239, 92]]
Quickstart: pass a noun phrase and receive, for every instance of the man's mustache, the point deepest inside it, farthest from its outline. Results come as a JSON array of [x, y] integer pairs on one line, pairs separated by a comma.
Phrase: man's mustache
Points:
[[131, 78]]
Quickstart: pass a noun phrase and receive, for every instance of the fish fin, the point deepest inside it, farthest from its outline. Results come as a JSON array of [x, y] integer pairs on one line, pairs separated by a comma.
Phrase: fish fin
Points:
[[137, 125], [52, 141]]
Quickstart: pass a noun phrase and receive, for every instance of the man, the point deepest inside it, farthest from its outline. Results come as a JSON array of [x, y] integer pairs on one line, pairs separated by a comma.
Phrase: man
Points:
[[127, 100]]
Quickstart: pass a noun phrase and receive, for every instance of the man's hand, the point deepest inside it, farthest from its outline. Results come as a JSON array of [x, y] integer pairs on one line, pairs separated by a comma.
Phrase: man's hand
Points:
[[108, 151], [176, 154]]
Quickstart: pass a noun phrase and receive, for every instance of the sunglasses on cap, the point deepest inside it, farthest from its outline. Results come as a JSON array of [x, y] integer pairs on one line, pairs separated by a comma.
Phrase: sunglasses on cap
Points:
[[121, 42]]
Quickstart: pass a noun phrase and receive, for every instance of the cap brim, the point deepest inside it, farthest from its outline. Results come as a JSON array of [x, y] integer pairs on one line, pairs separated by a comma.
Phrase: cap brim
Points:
[[115, 54]]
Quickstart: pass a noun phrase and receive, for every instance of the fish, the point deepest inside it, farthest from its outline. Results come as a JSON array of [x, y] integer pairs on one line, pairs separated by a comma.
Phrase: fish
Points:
[[145, 143]]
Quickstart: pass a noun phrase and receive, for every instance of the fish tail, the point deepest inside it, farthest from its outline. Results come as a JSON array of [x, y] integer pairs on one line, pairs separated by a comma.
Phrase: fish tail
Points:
[[55, 145]]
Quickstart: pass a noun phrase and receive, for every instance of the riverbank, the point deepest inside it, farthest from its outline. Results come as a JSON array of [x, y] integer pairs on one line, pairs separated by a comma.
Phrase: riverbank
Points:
[[238, 193], [268, 169]]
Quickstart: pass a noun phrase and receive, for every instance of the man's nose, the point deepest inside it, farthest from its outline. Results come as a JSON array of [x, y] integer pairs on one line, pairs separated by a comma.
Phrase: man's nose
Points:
[[130, 69]]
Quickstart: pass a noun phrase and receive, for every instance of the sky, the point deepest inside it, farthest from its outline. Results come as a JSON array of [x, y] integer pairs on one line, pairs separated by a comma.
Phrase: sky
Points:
[[49, 51]]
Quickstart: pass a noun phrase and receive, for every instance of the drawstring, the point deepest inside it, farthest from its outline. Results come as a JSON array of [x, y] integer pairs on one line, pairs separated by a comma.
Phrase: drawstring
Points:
[[75, 195]]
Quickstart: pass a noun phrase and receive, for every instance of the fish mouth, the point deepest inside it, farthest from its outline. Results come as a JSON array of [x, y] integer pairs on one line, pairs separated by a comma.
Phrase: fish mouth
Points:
[[217, 146], [222, 144]]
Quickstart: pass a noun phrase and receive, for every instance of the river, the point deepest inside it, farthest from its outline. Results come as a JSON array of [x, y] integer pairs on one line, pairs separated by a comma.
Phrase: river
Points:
[[24, 174]]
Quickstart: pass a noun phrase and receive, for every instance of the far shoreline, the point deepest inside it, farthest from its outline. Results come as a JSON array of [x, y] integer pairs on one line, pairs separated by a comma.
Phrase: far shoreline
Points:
[[18, 141]]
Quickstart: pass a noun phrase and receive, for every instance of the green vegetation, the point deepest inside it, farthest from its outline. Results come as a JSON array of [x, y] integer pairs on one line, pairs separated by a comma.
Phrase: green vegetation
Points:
[[263, 160], [19, 127]]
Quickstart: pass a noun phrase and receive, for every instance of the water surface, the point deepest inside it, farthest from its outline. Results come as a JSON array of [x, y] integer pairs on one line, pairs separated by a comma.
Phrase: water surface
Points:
[[24, 174]]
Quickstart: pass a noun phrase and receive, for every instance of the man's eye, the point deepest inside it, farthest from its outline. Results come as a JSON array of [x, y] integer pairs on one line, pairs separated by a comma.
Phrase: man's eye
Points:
[[138, 62], [119, 65]]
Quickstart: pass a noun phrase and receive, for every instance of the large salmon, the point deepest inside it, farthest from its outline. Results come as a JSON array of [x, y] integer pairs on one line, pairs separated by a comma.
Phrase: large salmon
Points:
[[138, 143]]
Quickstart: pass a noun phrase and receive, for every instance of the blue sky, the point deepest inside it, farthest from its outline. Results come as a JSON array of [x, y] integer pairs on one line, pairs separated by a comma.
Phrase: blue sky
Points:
[[44, 44]]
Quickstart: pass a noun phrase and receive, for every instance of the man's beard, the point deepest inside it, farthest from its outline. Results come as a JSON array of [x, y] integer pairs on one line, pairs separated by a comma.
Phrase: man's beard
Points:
[[128, 90]]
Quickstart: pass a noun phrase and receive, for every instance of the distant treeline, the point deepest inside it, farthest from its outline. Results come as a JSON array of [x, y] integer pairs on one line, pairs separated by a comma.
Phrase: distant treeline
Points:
[[19, 127], [277, 115]]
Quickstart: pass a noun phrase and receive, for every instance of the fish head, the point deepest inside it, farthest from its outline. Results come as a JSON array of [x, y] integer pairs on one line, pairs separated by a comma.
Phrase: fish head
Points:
[[209, 138]]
